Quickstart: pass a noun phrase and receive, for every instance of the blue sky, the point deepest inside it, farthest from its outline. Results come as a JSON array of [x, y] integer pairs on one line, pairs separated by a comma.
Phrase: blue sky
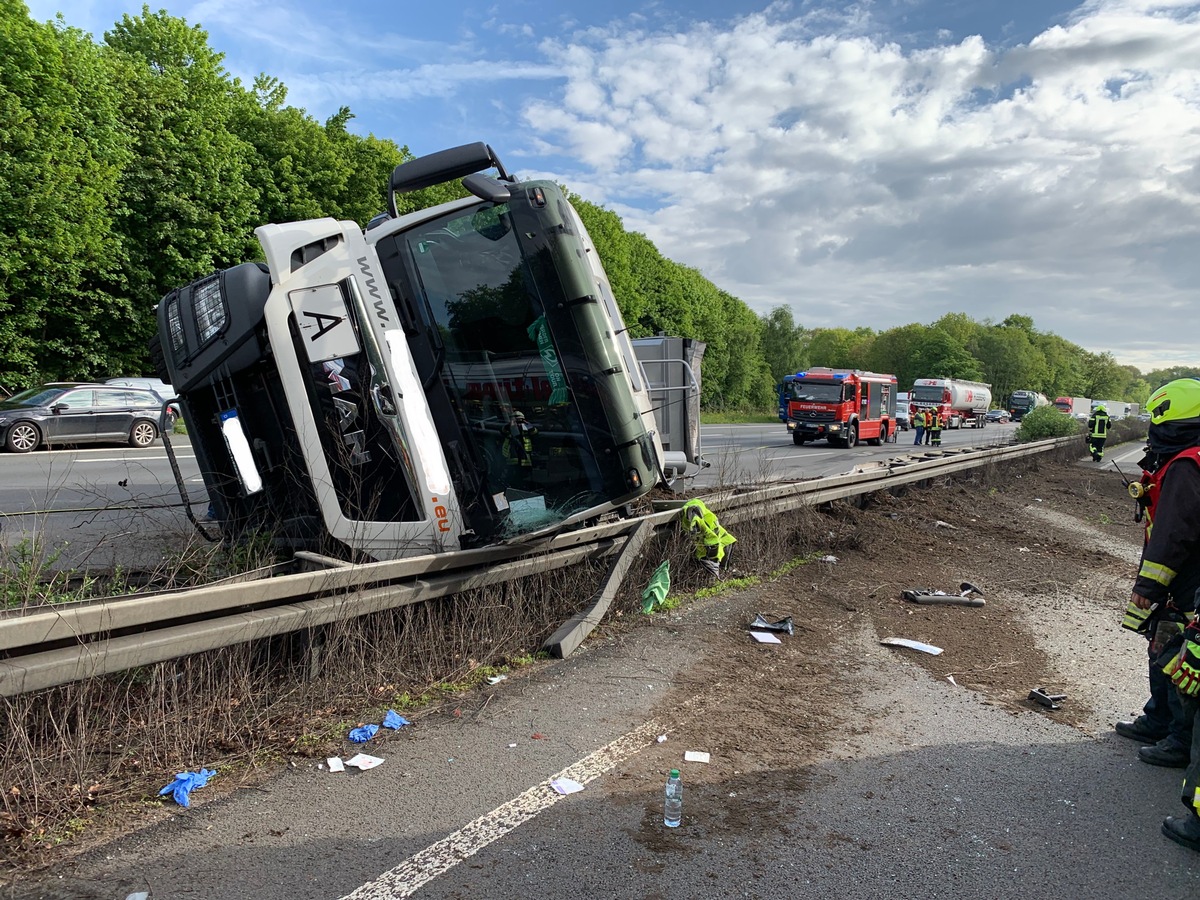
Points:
[[871, 163]]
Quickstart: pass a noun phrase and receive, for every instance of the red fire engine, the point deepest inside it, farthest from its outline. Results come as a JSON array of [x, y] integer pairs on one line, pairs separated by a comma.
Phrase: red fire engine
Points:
[[843, 406]]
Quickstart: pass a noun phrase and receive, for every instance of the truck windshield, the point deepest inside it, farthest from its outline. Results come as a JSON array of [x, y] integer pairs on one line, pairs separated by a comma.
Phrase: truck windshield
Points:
[[928, 393], [816, 391], [513, 365]]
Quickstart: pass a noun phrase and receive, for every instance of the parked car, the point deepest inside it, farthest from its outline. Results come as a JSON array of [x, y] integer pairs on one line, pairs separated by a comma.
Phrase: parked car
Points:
[[998, 415], [156, 386], [78, 413]]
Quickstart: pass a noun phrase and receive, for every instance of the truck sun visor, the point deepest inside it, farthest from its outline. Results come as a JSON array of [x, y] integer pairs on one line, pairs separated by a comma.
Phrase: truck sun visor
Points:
[[239, 452]]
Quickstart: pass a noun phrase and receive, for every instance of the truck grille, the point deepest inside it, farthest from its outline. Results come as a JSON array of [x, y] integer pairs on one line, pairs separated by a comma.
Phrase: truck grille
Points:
[[814, 415]]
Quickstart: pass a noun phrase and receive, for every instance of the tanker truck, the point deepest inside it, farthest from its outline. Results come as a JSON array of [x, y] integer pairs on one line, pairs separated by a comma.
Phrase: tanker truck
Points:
[[444, 379], [1022, 402], [960, 402]]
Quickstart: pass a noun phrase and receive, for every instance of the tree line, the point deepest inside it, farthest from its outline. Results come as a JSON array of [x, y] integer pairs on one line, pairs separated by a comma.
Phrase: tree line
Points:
[[135, 163]]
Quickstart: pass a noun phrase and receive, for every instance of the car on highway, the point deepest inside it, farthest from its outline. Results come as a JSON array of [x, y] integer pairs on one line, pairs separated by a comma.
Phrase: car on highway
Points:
[[998, 415], [67, 413], [156, 386]]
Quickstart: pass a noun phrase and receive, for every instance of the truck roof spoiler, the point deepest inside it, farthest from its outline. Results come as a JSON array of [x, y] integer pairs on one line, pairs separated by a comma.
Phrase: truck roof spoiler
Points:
[[442, 166]]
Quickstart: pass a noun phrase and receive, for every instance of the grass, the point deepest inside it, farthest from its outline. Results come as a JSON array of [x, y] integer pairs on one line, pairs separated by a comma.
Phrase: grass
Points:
[[739, 417]]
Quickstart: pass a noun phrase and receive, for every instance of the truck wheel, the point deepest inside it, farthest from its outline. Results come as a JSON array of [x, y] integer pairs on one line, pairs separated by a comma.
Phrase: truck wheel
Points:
[[798, 439], [882, 439], [851, 436]]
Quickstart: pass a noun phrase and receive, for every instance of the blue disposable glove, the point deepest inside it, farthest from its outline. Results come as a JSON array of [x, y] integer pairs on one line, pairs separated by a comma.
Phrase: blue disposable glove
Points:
[[394, 720], [363, 734], [185, 783]]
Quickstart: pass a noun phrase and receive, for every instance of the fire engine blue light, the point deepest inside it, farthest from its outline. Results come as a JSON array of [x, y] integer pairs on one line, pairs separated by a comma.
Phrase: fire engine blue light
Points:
[[839, 375]]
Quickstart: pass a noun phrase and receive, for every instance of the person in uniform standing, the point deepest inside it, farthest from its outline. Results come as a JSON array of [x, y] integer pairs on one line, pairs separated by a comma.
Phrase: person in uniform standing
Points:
[[1169, 576]]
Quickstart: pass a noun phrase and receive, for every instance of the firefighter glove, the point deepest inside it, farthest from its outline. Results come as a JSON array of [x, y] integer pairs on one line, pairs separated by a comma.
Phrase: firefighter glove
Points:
[[1137, 619], [1184, 668]]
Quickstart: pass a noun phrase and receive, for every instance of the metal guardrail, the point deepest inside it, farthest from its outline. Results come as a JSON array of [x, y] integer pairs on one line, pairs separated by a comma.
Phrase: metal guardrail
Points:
[[58, 645]]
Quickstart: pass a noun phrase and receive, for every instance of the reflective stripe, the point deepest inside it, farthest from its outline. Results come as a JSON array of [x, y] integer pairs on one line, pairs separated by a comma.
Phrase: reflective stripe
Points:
[[1196, 801], [1157, 572]]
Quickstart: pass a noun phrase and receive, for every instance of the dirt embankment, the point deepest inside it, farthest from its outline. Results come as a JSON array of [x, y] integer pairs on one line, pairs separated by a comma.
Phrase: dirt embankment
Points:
[[1051, 544]]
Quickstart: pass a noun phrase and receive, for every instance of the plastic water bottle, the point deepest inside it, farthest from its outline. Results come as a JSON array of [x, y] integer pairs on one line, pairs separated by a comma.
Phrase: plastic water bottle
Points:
[[673, 804]]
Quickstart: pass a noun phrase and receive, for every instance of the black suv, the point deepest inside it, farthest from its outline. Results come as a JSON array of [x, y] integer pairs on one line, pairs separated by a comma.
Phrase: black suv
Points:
[[73, 413]]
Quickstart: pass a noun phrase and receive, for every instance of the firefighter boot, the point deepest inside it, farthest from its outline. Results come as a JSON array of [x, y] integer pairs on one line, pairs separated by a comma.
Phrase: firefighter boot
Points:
[[1143, 729], [1170, 752], [1184, 830]]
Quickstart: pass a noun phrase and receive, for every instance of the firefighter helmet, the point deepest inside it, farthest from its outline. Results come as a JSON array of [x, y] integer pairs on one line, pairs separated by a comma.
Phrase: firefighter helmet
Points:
[[1174, 416], [1175, 401]]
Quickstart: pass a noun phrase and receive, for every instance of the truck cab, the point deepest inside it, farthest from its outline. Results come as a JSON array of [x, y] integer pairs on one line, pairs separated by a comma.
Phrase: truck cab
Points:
[[452, 377]]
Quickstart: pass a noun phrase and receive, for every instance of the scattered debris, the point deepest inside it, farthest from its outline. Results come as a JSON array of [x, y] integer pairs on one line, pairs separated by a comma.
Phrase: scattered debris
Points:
[[765, 637], [140, 895], [911, 645], [185, 783], [1023, 550], [699, 756], [394, 720], [940, 524], [950, 678], [828, 559], [496, 679], [658, 588], [363, 761], [363, 733], [927, 598], [662, 738], [1046, 699], [335, 764], [566, 786], [510, 746], [538, 736], [762, 623]]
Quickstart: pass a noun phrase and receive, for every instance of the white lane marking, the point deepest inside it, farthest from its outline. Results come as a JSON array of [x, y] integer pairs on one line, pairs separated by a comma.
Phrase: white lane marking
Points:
[[1139, 453], [422, 867]]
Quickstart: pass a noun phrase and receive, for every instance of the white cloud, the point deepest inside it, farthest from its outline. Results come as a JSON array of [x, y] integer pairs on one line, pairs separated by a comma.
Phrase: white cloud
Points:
[[805, 162]]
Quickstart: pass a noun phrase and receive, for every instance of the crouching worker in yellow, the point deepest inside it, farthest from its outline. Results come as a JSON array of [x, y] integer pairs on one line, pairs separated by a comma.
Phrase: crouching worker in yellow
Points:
[[712, 541]]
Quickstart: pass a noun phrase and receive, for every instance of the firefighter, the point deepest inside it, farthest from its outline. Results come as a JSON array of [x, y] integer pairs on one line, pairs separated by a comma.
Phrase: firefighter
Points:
[[930, 418], [936, 429], [518, 445], [919, 426], [1097, 424], [712, 540], [1169, 576]]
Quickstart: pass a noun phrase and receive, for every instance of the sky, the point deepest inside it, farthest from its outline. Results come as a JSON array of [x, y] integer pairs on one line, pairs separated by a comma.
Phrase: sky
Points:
[[874, 163]]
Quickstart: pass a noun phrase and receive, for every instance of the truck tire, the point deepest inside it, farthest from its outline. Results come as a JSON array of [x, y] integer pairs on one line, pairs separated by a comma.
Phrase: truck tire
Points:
[[798, 439], [851, 439], [883, 435]]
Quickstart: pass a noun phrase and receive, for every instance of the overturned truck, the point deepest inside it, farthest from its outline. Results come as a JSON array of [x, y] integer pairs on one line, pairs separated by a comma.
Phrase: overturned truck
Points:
[[446, 378]]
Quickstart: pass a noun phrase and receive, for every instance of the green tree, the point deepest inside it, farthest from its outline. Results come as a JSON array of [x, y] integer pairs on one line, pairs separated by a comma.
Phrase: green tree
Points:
[[783, 346], [840, 348], [940, 355], [898, 351], [187, 207], [1009, 359], [1102, 376], [61, 150]]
